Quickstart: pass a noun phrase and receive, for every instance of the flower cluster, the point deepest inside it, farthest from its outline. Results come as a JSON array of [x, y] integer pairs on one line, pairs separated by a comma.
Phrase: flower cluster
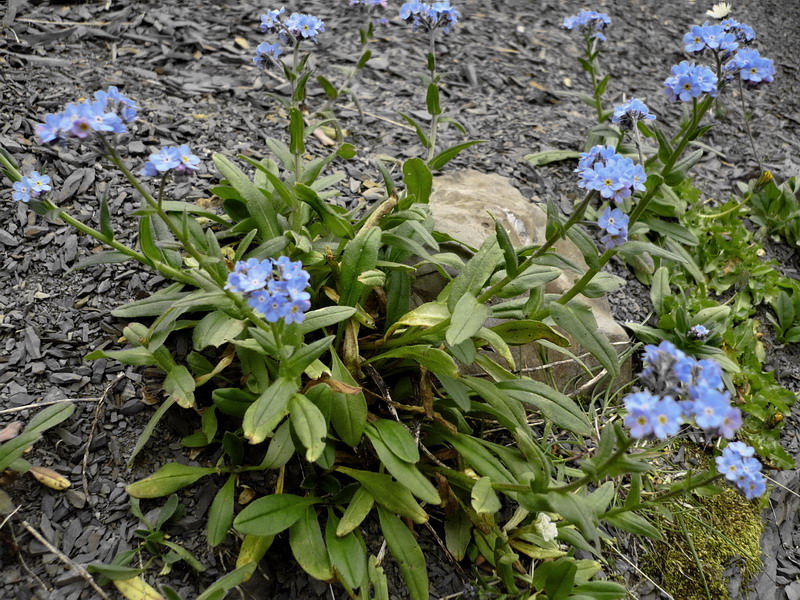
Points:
[[429, 16], [615, 225], [613, 175], [108, 113], [171, 158], [681, 389], [695, 385], [275, 288], [713, 37], [744, 33], [590, 23], [739, 467], [368, 3], [751, 66], [626, 115], [30, 186], [294, 29], [689, 81]]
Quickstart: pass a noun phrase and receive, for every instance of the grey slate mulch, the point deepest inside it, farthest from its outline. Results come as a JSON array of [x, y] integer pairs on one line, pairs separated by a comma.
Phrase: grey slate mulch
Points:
[[510, 77]]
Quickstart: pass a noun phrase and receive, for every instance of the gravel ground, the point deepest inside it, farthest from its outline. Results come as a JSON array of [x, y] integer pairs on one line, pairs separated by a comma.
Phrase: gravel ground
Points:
[[509, 75]]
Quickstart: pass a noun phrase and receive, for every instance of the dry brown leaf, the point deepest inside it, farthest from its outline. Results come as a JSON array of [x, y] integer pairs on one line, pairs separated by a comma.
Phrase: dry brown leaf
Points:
[[50, 478]]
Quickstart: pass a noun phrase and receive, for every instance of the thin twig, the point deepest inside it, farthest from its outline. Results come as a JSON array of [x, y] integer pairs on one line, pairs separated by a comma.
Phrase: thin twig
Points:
[[779, 484], [9, 516], [25, 566], [97, 411], [17, 409], [66, 560]]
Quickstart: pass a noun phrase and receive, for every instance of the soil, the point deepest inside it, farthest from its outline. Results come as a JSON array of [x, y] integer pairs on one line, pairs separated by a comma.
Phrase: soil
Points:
[[510, 77]]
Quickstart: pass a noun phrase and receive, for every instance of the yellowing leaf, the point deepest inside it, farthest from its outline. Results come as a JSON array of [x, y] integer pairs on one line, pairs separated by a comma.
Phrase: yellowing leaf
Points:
[[241, 42], [136, 589], [50, 478]]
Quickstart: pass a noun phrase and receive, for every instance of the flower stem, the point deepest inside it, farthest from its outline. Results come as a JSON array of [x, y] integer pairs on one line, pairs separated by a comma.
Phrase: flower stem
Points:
[[434, 118], [747, 128]]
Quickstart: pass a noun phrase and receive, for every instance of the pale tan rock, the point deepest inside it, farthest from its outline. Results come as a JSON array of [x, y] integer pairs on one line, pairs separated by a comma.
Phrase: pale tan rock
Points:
[[462, 205]]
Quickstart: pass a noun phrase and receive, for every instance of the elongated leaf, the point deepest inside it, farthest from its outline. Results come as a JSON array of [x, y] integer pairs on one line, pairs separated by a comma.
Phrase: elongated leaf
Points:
[[525, 331], [581, 325], [476, 272], [398, 439], [433, 359], [634, 523], [388, 493], [347, 553], [308, 547], [338, 225], [418, 180], [360, 254], [147, 432], [263, 416], [349, 414], [218, 589], [180, 386], [510, 412], [555, 406], [260, 207], [50, 417], [445, 156], [407, 474], [325, 317], [13, 449], [220, 515], [483, 498], [479, 458], [169, 478], [305, 355], [272, 514], [423, 138], [358, 509], [468, 317], [139, 356], [309, 424], [104, 258], [548, 156], [215, 329], [407, 554], [113, 571]]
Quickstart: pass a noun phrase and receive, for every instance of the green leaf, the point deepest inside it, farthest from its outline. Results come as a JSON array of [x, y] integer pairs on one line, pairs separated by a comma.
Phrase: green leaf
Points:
[[423, 138], [308, 547], [114, 572], [349, 414], [509, 254], [576, 509], [49, 417], [407, 474], [600, 590], [327, 87], [268, 410], [218, 589], [260, 207], [348, 553], [180, 386], [272, 514], [468, 318], [418, 180], [388, 493], [433, 359], [432, 100], [483, 498], [634, 523], [377, 577], [297, 132], [407, 554], [555, 406], [220, 515], [215, 329], [672, 231], [360, 254], [305, 355], [360, 506], [509, 411], [548, 156], [398, 439], [139, 356], [169, 478], [524, 331], [581, 325], [104, 258], [457, 533], [476, 272], [659, 290], [309, 424], [338, 225], [448, 154], [641, 247], [325, 317], [560, 580], [11, 450]]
